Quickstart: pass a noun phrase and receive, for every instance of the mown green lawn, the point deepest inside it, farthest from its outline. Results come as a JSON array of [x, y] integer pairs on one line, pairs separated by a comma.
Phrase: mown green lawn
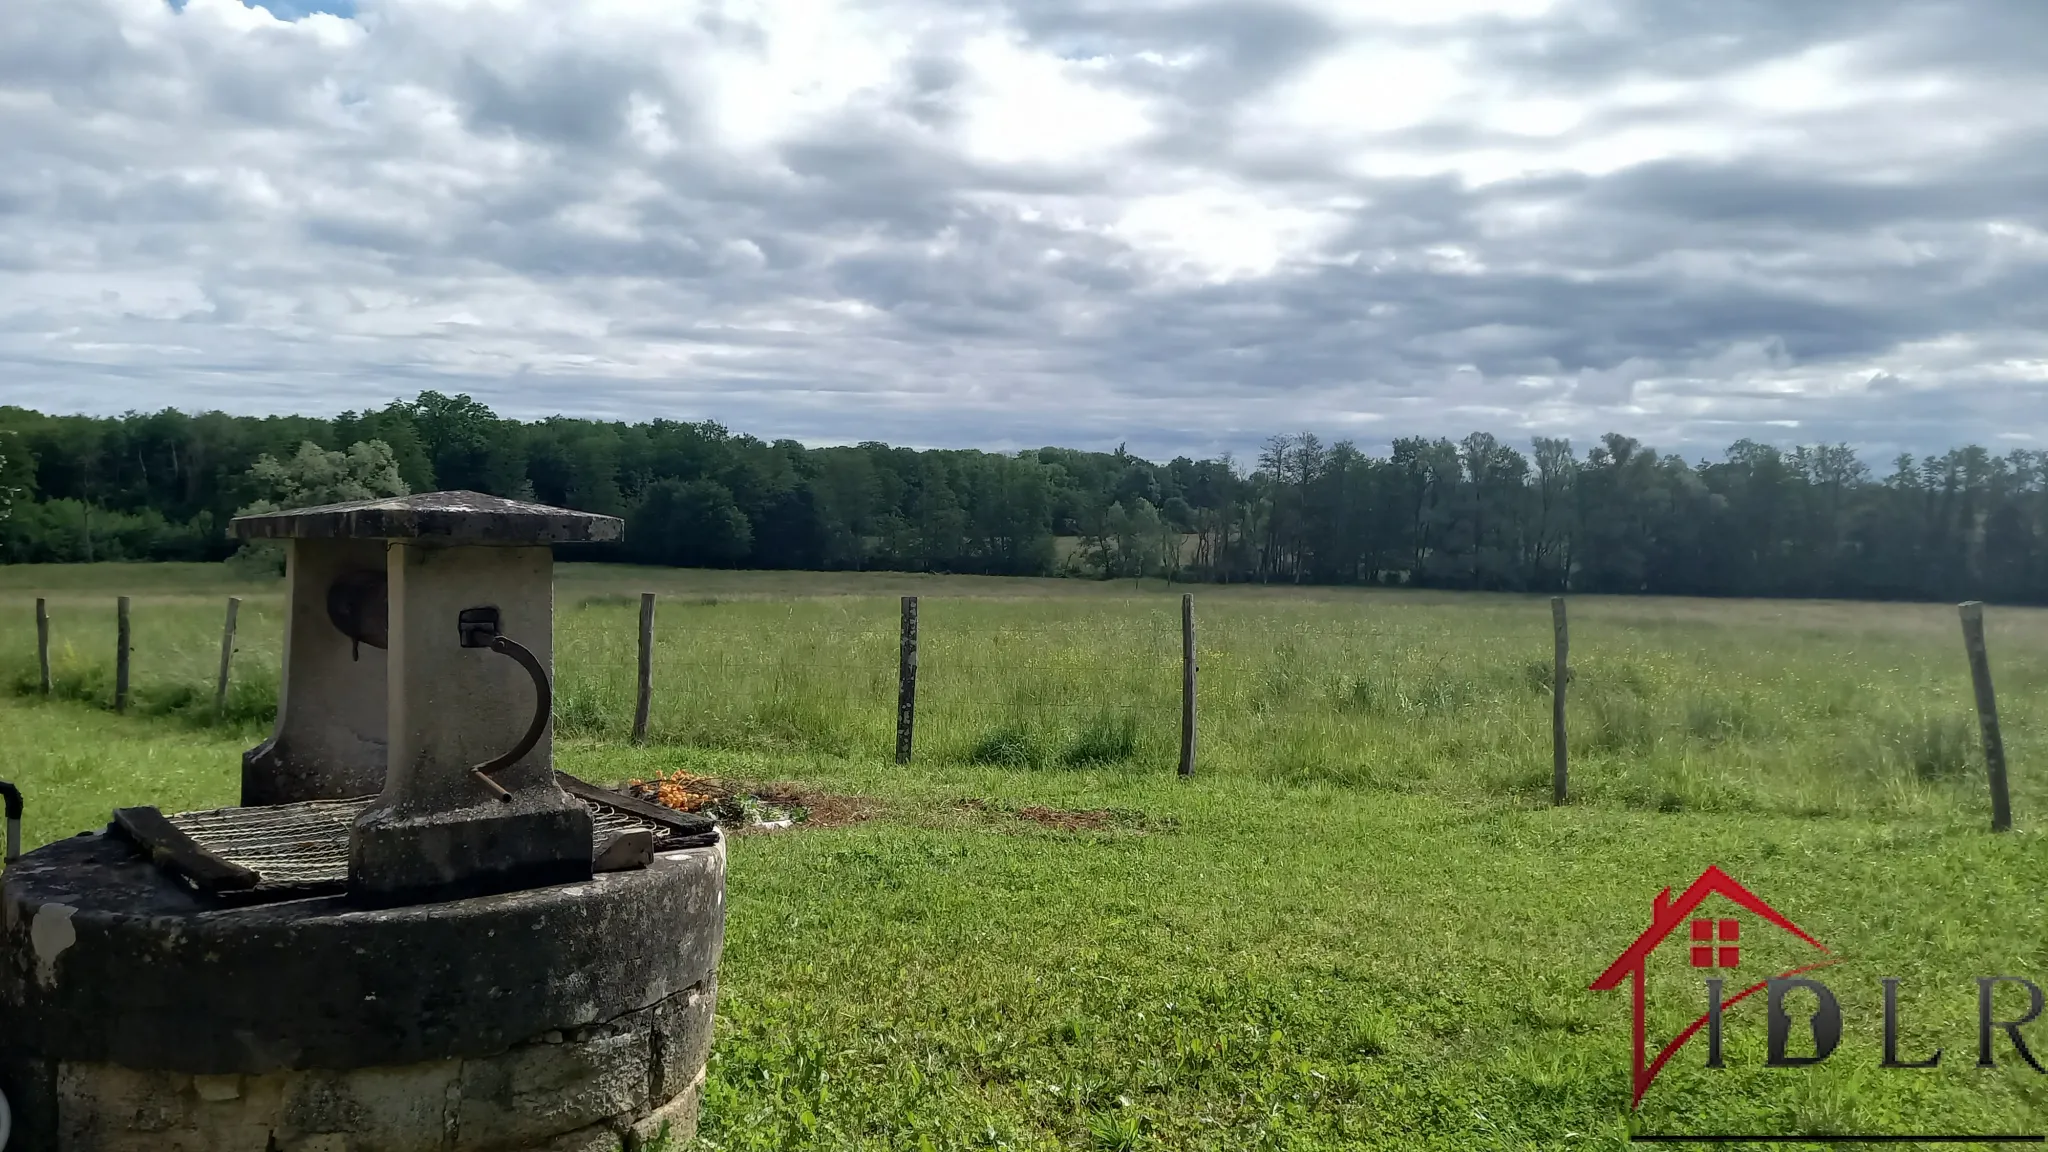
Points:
[[1360, 924]]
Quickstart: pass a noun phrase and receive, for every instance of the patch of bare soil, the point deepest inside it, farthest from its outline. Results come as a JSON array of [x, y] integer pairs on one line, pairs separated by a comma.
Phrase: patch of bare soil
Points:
[[820, 809], [741, 806]]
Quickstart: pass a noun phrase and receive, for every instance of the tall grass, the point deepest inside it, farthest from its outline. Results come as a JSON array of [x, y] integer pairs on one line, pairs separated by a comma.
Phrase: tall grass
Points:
[[175, 641], [1807, 709]]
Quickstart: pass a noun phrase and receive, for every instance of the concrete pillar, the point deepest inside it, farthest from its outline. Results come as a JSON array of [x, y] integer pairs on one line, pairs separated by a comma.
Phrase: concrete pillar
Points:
[[436, 827], [452, 707], [329, 740]]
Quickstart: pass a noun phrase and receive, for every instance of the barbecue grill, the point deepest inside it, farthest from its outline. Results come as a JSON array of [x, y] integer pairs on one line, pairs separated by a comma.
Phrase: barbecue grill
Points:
[[413, 917], [290, 851]]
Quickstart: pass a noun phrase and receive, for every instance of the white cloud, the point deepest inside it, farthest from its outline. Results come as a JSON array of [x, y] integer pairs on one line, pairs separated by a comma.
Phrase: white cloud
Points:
[[809, 58], [1216, 234], [1372, 14], [1028, 106]]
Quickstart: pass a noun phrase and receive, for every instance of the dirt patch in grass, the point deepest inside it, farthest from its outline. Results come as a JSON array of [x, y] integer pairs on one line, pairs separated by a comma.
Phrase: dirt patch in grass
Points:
[[1066, 819], [820, 809], [745, 806]]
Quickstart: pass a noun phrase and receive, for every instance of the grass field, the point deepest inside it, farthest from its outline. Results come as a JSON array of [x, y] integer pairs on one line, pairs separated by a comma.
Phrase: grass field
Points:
[[1360, 925]]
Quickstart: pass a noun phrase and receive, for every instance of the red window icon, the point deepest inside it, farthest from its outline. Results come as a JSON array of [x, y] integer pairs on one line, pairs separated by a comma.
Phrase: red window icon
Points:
[[1705, 932]]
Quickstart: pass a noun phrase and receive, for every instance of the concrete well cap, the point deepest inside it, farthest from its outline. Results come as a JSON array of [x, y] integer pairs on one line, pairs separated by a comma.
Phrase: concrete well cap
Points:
[[457, 517]]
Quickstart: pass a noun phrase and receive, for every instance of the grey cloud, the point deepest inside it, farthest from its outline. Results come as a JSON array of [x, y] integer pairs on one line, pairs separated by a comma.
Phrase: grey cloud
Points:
[[1239, 46], [565, 98], [930, 84], [1590, 45], [1803, 203]]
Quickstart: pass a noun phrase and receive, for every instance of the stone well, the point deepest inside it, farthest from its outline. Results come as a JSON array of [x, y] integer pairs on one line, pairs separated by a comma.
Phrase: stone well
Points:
[[575, 1017]]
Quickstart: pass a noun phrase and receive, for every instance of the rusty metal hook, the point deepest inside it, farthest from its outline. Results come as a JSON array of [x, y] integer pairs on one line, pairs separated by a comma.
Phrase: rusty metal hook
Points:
[[543, 708]]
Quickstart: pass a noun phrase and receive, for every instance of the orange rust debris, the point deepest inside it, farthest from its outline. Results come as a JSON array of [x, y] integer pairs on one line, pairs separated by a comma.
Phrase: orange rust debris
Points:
[[679, 790]]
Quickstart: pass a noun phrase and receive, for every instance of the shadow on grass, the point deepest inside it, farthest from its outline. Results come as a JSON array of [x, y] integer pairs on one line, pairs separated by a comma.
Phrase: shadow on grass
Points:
[[1108, 737]]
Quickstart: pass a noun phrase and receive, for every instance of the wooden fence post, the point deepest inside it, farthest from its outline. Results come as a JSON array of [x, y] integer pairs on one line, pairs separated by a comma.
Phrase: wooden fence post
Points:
[[227, 657], [1560, 672], [645, 698], [43, 642], [121, 655], [1987, 714], [906, 682], [1187, 684]]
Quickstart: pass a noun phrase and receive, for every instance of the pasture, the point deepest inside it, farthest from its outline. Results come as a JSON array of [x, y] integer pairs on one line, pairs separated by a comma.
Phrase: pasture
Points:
[[1360, 924]]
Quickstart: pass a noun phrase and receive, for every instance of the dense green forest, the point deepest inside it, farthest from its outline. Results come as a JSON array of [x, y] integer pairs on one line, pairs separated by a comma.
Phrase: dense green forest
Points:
[[1474, 513]]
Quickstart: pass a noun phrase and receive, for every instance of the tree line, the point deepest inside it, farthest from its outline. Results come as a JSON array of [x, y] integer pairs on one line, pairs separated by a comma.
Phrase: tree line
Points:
[[1472, 513]]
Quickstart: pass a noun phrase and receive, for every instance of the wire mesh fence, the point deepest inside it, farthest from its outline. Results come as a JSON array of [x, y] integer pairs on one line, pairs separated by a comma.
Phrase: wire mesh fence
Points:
[[816, 676], [823, 676], [174, 655], [1680, 705], [1067, 686]]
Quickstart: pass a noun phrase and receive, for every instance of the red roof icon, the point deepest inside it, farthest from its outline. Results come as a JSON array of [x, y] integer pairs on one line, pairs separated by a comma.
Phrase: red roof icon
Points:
[[1666, 915]]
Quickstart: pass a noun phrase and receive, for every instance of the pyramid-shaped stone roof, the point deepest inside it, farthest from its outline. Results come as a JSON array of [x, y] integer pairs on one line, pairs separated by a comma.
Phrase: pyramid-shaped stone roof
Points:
[[457, 517]]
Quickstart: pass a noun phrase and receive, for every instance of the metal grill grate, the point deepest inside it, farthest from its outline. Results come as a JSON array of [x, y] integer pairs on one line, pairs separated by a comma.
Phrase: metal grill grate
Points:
[[289, 850], [287, 845]]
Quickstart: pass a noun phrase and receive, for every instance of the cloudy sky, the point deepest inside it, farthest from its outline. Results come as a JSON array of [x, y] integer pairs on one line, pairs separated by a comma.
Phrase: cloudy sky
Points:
[[1187, 225]]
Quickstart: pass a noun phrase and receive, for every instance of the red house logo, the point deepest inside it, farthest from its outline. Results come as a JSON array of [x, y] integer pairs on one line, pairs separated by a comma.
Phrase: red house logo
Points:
[[1711, 943]]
